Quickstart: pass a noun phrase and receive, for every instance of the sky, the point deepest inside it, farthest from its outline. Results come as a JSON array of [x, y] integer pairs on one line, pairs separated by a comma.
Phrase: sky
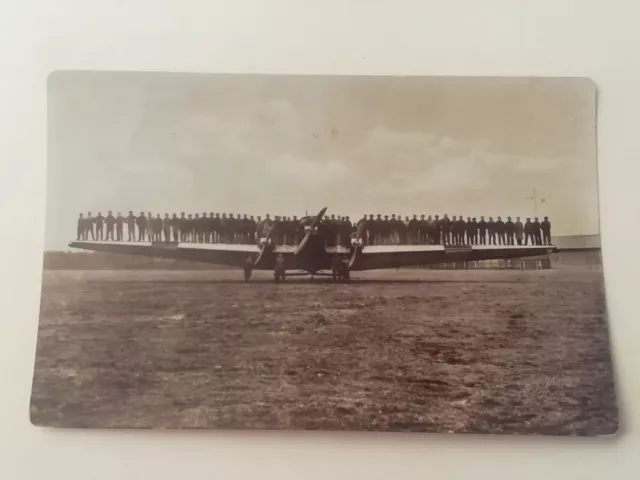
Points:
[[286, 145]]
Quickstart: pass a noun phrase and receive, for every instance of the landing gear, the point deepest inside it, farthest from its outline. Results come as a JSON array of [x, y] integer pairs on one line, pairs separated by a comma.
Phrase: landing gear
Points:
[[341, 276], [340, 270], [279, 275]]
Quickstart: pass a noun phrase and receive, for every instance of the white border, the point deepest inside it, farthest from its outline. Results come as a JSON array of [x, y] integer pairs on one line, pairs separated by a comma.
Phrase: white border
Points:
[[492, 37]]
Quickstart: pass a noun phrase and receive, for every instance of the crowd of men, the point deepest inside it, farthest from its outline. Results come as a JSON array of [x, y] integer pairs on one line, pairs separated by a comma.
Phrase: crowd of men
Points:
[[453, 231], [195, 228], [370, 230]]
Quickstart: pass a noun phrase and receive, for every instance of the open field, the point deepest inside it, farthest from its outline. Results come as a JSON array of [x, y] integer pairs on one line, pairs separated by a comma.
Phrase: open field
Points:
[[410, 350]]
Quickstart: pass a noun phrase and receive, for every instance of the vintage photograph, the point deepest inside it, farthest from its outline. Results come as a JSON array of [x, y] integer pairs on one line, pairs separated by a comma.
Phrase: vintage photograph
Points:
[[411, 254]]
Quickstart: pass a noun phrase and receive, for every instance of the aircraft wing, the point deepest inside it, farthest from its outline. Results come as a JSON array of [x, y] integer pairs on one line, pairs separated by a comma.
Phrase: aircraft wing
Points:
[[233, 255], [396, 256]]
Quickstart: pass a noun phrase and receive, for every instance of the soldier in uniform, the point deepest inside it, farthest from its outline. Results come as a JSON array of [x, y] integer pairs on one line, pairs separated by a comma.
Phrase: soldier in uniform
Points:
[[349, 231], [425, 226], [462, 230], [361, 233], [216, 233], [189, 228], [422, 230], [110, 220], [509, 228], [141, 222], [222, 233], [205, 221], [528, 232], [371, 230], [88, 226], [455, 226], [268, 224], [545, 226], [454, 230], [378, 227], [345, 231], [386, 230], [259, 228], [403, 234], [469, 231], [482, 230], [206, 227], [166, 227], [292, 230], [131, 226], [197, 228], [536, 231], [279, 233], [474, 231], [119, 227], [443, 226], [157, 228], [182, 227], [491, 230], [81, 227], [234, 232], [518, 229], [262, 229], [252, 228], [149, 227], [393, 228], [210, 228], [242, 228], [340, 229], [500, 231], [412, 231], [175, 223], [99, 220]]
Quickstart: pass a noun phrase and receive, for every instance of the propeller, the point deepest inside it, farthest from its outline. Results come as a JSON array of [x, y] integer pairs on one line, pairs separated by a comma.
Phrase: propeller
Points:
[[318, 218], [312, 227]]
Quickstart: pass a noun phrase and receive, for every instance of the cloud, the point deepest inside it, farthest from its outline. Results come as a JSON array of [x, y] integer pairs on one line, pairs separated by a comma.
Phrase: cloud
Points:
[[302, 171], [417, 162]]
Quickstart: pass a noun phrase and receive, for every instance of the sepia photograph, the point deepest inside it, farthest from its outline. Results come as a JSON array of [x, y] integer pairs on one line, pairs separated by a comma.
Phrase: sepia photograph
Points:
[[301, 252]]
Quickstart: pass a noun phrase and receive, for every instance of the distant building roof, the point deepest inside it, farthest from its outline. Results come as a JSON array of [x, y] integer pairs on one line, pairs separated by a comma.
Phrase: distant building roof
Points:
[[576, 242]]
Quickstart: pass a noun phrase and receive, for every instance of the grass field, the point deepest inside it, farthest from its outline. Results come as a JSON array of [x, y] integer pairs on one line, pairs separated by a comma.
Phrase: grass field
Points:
[[409, 350]]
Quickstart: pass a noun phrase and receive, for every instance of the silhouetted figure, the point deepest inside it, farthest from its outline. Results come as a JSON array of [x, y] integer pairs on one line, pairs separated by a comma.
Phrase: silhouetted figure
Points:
[[111, 223], [119, 227], [141, 222], [81, 228], [131, 227], [545, 226]]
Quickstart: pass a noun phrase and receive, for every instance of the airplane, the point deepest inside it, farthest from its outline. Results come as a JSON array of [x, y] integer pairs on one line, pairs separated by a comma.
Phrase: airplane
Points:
[[312, 256]]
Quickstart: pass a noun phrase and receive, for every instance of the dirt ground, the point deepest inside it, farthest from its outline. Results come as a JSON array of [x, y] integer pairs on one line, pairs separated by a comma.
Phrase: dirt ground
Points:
[[409, 350]]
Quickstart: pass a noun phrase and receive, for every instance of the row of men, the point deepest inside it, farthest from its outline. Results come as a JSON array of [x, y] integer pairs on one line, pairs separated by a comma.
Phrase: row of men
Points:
[[205, 228], [217, 228], [454, 231]]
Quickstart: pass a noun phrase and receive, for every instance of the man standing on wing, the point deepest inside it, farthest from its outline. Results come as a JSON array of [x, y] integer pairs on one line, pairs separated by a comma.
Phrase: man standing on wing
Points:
[[111, 222], [518, 229], [546, 231], [119, 227], [131, 227]]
